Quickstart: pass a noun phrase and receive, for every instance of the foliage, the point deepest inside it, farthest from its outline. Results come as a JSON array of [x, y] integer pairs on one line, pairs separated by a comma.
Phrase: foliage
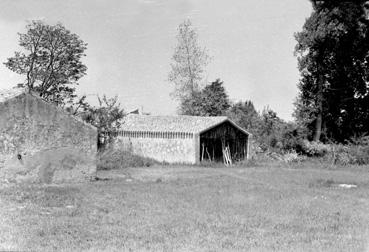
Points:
[[293, 157], [270, 131], [118, 159], [188, 63], [245, 115], [355, 152], [106, 117], [51, 61], [316, 149], [210, 101], [293, 138], [333, 60], [191, 105], [79, 106]]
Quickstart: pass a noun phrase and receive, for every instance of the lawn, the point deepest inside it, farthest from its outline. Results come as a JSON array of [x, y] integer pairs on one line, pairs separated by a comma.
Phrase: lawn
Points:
[[272, 207]]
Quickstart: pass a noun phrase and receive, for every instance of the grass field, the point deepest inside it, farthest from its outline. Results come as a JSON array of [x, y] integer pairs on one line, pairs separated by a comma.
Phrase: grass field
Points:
[[277, 207]]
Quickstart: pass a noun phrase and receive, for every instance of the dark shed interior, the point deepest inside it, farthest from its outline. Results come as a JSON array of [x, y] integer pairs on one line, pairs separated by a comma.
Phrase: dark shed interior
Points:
[[222, 141]]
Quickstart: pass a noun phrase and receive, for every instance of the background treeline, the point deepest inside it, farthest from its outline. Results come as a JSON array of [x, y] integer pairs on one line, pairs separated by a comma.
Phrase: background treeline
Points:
[[331, 108], [272, 135]]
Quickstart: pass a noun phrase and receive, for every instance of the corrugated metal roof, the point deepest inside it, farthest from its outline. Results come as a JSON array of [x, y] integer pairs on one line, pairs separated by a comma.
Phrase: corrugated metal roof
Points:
[[185, 124], [7, 94]]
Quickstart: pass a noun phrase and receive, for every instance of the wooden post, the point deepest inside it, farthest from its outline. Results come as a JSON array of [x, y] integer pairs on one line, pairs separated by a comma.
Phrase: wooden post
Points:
[[248, 147], [202, 154], [208, 154]]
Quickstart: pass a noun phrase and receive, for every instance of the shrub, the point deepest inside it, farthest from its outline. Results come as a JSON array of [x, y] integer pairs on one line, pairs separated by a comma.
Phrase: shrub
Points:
[[293, 157], [117, 159], [315, 149], [351, 154], [344, 158], [293, 138]]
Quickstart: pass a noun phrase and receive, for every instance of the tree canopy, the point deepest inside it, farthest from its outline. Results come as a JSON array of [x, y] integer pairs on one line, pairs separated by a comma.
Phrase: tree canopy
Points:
[[212, 100], [188, 63], [106, 117], [50, 59], [245, 115], [333, 60]]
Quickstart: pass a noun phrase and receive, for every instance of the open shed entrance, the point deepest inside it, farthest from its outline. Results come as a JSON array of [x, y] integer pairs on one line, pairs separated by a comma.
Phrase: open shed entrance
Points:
[[223, 143]]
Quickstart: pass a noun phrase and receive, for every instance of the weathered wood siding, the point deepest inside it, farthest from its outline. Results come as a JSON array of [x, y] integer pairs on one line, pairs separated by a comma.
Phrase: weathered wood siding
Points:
[[224, 134]]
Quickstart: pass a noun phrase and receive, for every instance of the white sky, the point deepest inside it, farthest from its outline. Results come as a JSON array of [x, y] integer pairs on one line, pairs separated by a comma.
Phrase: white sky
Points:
[[130, 44]]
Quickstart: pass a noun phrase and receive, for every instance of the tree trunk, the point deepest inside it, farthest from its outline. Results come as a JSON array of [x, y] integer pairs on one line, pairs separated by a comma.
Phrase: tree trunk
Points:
[[319, 116], [318, 126]]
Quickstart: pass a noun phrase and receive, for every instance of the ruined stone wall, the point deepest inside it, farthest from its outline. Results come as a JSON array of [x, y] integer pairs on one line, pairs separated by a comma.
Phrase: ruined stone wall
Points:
[[40, 142], [171, 150]]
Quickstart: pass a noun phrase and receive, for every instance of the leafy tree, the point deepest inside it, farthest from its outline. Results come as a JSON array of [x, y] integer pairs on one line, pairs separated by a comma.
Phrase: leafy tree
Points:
[[269, 131], [107, 117], [273, 132], [51, 61], [192, 105], [79, 106], [212, 100], [245, 115], [189, 61], [334, 64], [215, 99]]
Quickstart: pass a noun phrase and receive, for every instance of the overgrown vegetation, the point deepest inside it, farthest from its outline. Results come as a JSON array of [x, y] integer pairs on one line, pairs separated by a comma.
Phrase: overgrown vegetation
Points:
[[117, 159], [106, 117], [351, 153]]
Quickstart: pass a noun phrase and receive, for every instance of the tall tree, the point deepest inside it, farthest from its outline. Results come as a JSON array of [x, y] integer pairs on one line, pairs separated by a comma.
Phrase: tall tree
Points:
[[212, 100], [333, 60], [51, 61], [188, 63]]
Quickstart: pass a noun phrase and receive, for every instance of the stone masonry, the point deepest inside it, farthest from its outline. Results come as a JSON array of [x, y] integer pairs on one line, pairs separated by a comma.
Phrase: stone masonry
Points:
[[42, 143], [161, 149]]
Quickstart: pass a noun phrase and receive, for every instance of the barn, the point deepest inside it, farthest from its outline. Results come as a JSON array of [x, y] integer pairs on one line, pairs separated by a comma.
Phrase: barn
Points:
[[183, 139], [40, 142]]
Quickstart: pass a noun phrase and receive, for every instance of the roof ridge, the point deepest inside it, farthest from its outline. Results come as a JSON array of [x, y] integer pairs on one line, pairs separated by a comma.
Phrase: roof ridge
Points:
[[171, 123], [177, 116], [9, 93], [24, 91]]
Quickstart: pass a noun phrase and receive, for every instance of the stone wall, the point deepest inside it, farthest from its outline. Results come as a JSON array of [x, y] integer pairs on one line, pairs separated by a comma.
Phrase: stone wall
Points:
[[171, 150], [40, 142]]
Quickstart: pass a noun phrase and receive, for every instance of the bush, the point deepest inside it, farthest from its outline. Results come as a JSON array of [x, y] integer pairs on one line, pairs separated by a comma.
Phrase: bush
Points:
[[293, 139], [351, 154], [293, 157], [117, 159], [315, 149], [344, 158]]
